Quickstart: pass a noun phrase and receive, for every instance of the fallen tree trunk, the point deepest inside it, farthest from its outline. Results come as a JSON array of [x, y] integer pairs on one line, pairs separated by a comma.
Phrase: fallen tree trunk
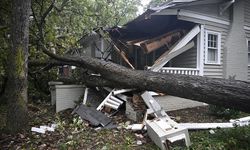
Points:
[[222, 92]]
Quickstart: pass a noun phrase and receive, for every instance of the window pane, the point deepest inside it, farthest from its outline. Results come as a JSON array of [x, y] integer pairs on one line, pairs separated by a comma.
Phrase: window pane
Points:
[[211, 55], [215, 38], [212, 40], [248, 46], [209, 37], [215, 43], [249, 58]]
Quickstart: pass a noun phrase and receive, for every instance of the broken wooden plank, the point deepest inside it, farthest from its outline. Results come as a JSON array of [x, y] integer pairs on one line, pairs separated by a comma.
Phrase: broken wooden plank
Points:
[[122, 53], [116, 92], [166, 40]]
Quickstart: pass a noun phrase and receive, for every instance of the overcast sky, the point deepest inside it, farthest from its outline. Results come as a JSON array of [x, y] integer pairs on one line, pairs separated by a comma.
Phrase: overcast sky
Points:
[[144, 3]]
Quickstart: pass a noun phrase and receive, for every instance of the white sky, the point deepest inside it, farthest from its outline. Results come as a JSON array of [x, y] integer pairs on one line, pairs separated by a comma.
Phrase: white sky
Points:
[[140, 8]]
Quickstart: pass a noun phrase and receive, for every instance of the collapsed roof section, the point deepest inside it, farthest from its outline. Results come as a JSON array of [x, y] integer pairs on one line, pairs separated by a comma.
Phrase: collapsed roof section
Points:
[[149, 26], [148, 33]]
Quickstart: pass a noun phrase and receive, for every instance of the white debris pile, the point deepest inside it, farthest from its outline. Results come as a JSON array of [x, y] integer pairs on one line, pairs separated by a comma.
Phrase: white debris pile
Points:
[[44, 128]]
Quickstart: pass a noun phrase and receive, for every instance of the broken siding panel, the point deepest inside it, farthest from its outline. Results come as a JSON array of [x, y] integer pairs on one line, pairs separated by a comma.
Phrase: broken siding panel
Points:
[[67, 95], [247, 13], [186, 59]]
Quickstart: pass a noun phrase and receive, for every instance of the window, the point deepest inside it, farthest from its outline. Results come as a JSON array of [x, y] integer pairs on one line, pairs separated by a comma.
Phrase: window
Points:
[[213, 47], [248, 45]]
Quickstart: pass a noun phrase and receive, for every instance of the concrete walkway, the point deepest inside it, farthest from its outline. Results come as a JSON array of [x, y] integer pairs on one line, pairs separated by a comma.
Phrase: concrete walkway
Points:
[[170, 103]]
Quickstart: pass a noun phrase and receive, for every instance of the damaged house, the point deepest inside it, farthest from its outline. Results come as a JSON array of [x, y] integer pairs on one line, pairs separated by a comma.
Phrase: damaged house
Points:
[[193, 37]]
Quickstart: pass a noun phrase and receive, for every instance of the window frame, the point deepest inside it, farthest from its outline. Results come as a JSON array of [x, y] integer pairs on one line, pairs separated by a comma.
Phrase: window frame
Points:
[[218, 54]]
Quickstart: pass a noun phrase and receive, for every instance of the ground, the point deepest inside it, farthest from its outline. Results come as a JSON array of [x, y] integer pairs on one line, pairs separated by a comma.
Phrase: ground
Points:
[[72, 133]]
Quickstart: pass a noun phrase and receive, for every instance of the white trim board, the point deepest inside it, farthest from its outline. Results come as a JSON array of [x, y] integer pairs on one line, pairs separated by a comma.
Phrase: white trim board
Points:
[[190, 14], [219, 47], [186, 13], [247, 28]]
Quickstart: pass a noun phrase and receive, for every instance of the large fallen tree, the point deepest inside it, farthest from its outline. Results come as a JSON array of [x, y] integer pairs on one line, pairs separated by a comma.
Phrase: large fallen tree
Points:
[[221, 92]]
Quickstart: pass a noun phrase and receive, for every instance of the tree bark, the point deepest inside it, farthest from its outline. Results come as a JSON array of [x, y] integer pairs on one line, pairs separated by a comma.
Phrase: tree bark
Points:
[[17, 115], [222, 92]]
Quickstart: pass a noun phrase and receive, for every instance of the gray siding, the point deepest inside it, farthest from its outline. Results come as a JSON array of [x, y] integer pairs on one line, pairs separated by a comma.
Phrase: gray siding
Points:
[[211, 10], [187, 59], [247, 34], [216, 71], [247, 12], [248, 77]]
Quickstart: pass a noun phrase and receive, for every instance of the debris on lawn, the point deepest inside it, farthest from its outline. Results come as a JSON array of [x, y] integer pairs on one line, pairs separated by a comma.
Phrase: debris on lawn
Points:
[[90, 114], [43, 129], [145, 113]]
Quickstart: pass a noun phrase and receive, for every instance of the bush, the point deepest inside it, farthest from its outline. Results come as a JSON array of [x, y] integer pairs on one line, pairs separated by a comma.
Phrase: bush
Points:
[[222, 112]]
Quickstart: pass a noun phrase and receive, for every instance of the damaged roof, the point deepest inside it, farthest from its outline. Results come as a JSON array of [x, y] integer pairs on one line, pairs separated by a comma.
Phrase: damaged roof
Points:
[[147, 25]]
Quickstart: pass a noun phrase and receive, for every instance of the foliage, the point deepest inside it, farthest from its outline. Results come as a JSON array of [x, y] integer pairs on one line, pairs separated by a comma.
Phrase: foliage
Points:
[[4, 39], [222, 112], [154, 3], [235, 138], [61, 27]]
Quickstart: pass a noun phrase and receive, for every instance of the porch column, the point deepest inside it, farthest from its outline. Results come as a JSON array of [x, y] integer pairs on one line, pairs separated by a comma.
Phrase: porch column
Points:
[[200, 51]]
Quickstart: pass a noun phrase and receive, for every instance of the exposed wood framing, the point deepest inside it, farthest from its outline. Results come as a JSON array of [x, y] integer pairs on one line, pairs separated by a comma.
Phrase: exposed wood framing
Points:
[[168, 55], [177, 49]]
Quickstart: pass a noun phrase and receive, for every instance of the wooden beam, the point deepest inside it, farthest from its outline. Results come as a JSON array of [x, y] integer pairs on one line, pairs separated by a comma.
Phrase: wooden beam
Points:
[[167, 39]]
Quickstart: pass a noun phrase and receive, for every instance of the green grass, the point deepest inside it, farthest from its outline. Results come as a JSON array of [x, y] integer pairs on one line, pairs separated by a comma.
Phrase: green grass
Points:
[[224, 139]]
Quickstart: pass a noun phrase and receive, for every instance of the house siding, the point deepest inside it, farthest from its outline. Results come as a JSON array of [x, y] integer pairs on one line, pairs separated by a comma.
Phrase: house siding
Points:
[[247, 12], [235, 63], [209, 10], [214, 71], [187, 59], [248, 77]]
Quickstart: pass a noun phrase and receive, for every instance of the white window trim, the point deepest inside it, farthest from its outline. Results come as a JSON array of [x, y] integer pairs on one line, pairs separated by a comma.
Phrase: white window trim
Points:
[[219, 48]]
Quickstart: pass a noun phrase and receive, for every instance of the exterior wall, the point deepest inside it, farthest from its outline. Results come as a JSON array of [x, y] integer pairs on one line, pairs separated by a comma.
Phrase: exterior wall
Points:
[[247, 12], [214, 71], [235, 63], [233, 38], [209, 10], [187, 59], [248, 77]]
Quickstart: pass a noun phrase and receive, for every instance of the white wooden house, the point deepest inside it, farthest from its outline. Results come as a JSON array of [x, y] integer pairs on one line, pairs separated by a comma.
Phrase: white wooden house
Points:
[[215, 42]]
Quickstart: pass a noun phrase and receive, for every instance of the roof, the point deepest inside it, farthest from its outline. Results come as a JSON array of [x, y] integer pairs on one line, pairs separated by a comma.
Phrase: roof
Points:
[[183, 3], [147, 25]]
